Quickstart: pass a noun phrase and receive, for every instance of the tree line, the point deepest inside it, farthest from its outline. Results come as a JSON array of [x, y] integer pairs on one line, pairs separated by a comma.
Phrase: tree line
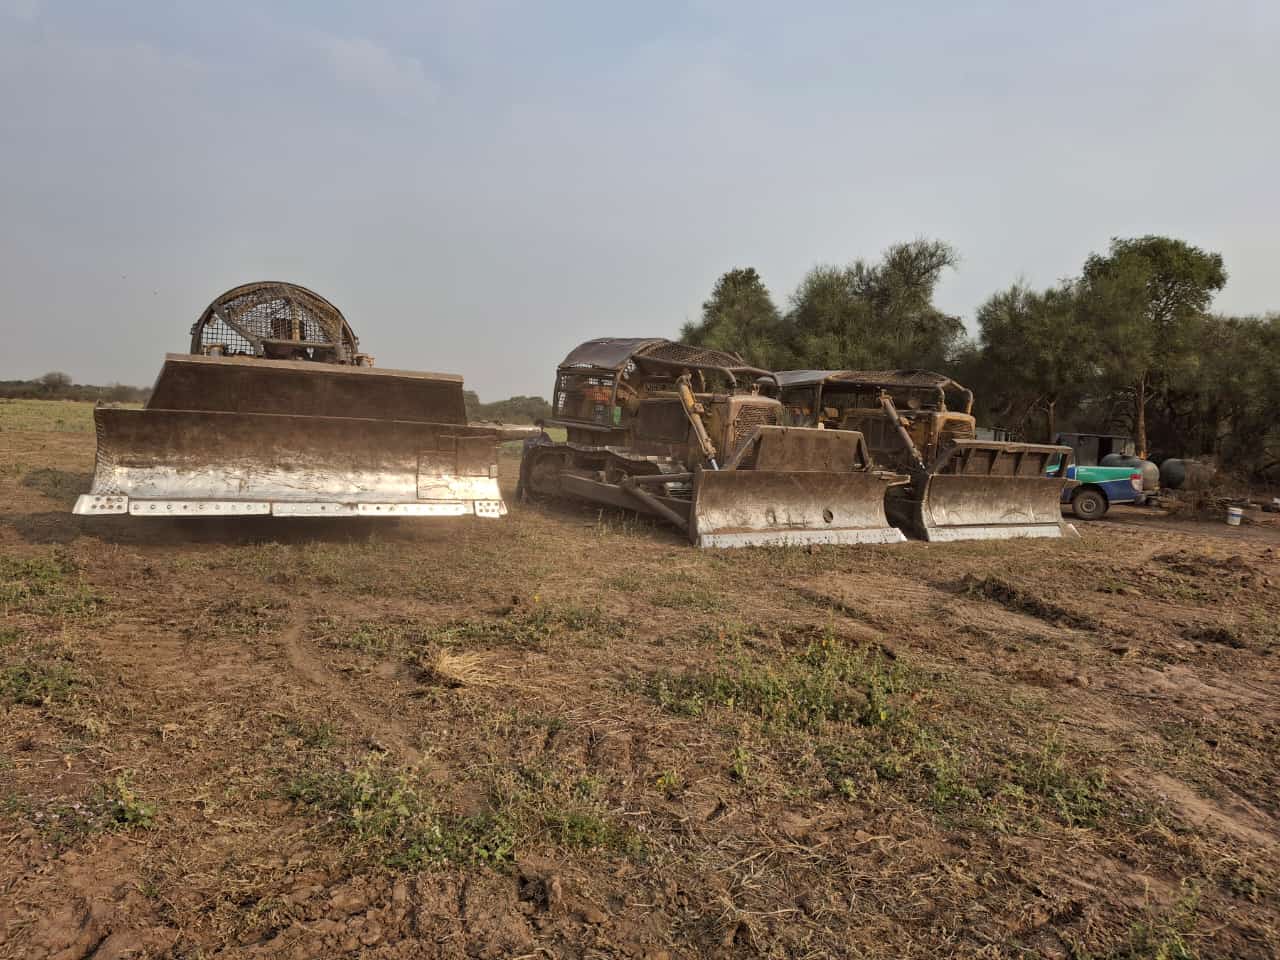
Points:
[[1128, 345], [56, 385], [512, 410]]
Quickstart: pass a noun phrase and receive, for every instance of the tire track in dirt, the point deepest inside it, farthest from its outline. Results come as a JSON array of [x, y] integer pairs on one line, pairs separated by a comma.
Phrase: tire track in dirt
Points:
[[375, 726]]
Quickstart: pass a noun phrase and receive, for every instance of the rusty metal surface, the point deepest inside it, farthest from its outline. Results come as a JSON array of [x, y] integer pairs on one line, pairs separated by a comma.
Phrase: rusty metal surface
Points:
[[210, 457], [615, 353], [1001, 458], [867, 378], [249, 385], [736, 508], [800, 449], [255, 319], [608, 353], [963, 507], [987, 490]]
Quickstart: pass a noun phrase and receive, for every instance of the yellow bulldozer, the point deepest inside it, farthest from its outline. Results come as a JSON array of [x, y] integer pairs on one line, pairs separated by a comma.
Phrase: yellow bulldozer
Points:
[[921, 423], [686, 435], [275, 411]]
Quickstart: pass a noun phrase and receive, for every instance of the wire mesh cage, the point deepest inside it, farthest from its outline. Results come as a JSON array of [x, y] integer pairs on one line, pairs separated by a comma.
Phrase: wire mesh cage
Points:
[[278, 320]]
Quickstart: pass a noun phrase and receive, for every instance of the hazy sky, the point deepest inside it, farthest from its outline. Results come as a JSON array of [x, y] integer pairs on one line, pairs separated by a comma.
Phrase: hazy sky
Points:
[[481, 185]]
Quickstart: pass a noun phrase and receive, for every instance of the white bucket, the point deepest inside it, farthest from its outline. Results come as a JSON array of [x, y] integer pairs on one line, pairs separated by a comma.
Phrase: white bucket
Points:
[[1234, 515]]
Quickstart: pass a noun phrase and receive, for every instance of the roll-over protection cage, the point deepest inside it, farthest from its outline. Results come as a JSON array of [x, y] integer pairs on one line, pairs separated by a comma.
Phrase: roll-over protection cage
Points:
[[588, 380]]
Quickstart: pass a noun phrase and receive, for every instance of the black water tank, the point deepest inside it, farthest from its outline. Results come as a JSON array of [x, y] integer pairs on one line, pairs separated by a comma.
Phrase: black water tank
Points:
[[1173, 473]]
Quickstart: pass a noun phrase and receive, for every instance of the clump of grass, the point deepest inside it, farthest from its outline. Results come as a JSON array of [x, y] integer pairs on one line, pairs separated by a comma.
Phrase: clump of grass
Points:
[[386, 817], [825, 683], [366, 636], [38, 682], [124, 807], [458, 669], [114, 805], [1166, 936], [49, 585], [669, 783], [545, 802], [313, 734], [1077, 797], [588, 830], [685, 594], [239, 617]]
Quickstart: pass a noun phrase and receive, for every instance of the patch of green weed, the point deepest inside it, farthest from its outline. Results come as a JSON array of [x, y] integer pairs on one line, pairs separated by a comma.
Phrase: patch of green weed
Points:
[[825, 683], [38, 683], [388, 818], [50, 585]]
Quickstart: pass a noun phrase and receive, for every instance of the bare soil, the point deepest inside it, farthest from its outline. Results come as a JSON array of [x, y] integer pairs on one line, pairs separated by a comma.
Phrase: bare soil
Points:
[[569, 734]]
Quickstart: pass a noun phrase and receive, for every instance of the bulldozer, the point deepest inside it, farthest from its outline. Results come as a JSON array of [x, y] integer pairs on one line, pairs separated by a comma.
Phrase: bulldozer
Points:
[[921, 423], [276, 412], [685, 434]]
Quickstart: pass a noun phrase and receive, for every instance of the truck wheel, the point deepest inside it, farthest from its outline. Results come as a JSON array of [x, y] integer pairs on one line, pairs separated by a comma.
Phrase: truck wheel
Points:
[[1089, 504]]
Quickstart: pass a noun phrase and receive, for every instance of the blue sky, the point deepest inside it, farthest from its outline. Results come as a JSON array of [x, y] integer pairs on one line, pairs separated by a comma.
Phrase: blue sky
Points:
[[480, 186]]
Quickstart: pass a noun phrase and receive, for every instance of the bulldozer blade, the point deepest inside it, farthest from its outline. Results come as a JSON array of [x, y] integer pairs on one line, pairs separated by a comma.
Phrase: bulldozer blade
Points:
[[970, 507], [254, 385], [741, 508], [166, 463]]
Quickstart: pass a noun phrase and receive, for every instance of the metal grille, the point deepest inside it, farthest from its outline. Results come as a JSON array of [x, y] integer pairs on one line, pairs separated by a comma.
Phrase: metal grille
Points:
[[272, 311], [694, 356], [750, 416], [585, 398], [903, 378]]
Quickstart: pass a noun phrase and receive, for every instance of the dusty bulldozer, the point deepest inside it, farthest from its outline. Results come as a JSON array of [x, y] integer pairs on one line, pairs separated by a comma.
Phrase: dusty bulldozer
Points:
[[961, 488], [275, 411], [684, 434]]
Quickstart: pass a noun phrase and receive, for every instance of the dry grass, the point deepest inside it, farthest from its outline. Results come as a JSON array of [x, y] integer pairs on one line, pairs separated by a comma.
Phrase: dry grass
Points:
[[569, 734], [460, 669]]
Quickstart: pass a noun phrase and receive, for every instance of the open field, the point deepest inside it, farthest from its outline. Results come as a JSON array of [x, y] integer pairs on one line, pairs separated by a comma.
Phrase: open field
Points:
[[62, 416], [569, 734]]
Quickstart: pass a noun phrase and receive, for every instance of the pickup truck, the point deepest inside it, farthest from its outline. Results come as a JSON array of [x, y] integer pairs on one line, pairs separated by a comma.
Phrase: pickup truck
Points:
[[1096, 488]]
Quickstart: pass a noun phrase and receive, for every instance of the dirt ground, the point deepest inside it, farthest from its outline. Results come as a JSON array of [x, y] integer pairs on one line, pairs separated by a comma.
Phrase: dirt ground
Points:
[[569, 734]]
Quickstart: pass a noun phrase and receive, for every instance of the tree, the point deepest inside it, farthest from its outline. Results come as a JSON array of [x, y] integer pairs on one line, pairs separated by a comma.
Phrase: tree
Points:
[[740, 317], [1036, 349], [1229, 408], [55, 382], [875, 315], [512, 410], [1143, 302]]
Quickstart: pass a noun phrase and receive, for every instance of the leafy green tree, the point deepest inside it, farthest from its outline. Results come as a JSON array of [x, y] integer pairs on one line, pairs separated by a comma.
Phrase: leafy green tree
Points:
[[1144, 303], [1229, 408], [875, 315], [512, 410], [740, 317], [1035, 349]]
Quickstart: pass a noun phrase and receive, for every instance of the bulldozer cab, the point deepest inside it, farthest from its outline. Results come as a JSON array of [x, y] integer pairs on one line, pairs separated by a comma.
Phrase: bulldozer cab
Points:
[[627, 393], [933, 410]]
